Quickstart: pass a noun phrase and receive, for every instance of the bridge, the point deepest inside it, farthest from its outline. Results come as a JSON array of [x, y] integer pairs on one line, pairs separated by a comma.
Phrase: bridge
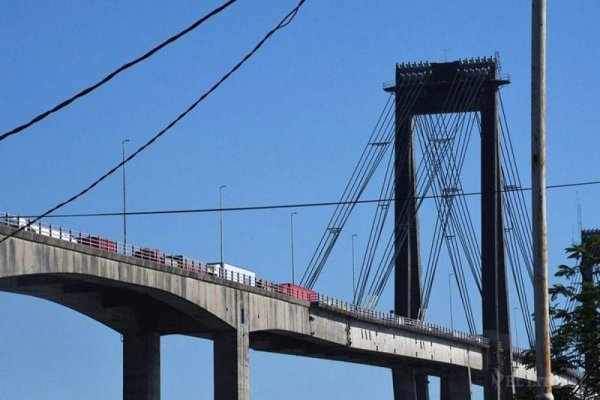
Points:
[[144, 299], [434, 110]]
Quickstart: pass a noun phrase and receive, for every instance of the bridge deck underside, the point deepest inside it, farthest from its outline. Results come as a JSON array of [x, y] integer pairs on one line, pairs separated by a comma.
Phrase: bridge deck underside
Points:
[[118, 306], [284, 343]]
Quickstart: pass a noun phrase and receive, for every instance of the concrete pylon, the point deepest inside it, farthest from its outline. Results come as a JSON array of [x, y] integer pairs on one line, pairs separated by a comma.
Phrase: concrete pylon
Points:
[[141, 366], [231, 352], [231, 362], [405, 384], [455, 385], [409, 384]]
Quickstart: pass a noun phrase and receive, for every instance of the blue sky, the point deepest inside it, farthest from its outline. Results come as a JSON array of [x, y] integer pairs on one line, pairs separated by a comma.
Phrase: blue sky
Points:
[[288, 128]]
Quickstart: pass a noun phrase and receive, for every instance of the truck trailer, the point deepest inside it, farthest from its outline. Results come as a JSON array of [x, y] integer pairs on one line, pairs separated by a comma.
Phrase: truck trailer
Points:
[[232, 273]]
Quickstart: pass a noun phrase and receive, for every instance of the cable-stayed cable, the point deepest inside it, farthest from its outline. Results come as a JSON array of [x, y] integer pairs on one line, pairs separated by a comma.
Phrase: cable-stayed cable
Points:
[[374, 148], [357, 184], [451, 187], [378, 224], [371, 298], [364, 170], [448, 183], [389, 256], [116, 72]]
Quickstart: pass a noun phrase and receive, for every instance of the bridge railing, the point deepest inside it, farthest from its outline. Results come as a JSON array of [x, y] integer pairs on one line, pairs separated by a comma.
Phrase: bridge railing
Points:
[[103, 243], [410, 323], [152, 254], [185, 263]]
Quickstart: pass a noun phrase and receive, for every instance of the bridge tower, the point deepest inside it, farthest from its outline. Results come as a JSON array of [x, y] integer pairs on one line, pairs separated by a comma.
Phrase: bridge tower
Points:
[[437, 85]]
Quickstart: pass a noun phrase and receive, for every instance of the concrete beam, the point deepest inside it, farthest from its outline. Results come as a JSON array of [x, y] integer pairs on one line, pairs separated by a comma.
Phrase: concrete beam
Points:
[[141, 366], [231, 362]]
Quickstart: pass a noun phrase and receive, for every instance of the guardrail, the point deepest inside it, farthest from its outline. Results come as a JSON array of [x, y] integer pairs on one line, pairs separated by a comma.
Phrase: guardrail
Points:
[[409, 323], [188, 264]]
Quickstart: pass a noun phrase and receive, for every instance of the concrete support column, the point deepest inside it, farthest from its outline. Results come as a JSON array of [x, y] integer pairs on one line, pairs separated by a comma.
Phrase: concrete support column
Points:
[[231, 360], [141, 366], [422, 386], [456, 385], [405, 384], [409, 384]]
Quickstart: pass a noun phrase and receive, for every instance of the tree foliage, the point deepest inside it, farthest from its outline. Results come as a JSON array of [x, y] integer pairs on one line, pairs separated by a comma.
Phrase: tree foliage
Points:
[[576, 302]]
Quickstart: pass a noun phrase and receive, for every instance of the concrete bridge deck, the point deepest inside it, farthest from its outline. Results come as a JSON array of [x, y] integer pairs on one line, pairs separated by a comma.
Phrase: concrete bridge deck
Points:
[[143, 300]]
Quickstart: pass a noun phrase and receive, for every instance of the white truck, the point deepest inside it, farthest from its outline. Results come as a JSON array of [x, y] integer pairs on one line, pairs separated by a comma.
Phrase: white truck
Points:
[[232, 273], [37, 227]]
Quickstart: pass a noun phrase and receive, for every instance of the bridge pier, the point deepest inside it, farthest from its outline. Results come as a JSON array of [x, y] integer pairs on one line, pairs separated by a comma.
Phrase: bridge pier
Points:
[[409, 384], [231, 361], [141, 366], [405, 384], [456, 385]]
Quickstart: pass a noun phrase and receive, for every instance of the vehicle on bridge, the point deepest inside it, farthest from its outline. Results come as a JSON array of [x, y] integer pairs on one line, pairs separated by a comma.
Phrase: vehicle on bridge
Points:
[[222, 270], [98, 242], [297, 291], [37, 227], [183, 262], [146, 253], [232, 273]]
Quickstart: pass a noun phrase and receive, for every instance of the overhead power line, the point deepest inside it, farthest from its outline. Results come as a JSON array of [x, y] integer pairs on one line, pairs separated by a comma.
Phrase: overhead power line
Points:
[[289, 17], [116, 72], [284, 206]]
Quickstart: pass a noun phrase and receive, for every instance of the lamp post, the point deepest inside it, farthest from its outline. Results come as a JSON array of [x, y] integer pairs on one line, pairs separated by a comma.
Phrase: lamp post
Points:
[[292, 243], [124, 196], [353, 278], [450, 292], [221, 218], [515, 325]]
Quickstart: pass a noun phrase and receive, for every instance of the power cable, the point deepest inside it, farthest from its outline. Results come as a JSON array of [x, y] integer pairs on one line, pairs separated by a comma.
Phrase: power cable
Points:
[[284, 206], [282, 24], [116, 72]]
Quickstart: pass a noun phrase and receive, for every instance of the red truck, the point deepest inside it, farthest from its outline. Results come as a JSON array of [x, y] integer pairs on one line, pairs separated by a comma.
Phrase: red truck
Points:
[[298, 292], [99, 243]]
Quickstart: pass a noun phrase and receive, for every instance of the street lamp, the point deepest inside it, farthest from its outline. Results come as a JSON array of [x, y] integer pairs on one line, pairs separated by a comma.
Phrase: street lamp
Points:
[[124, 196], [292, 241], [353, 279], [221, 218], [515, 324], [450, 292]]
